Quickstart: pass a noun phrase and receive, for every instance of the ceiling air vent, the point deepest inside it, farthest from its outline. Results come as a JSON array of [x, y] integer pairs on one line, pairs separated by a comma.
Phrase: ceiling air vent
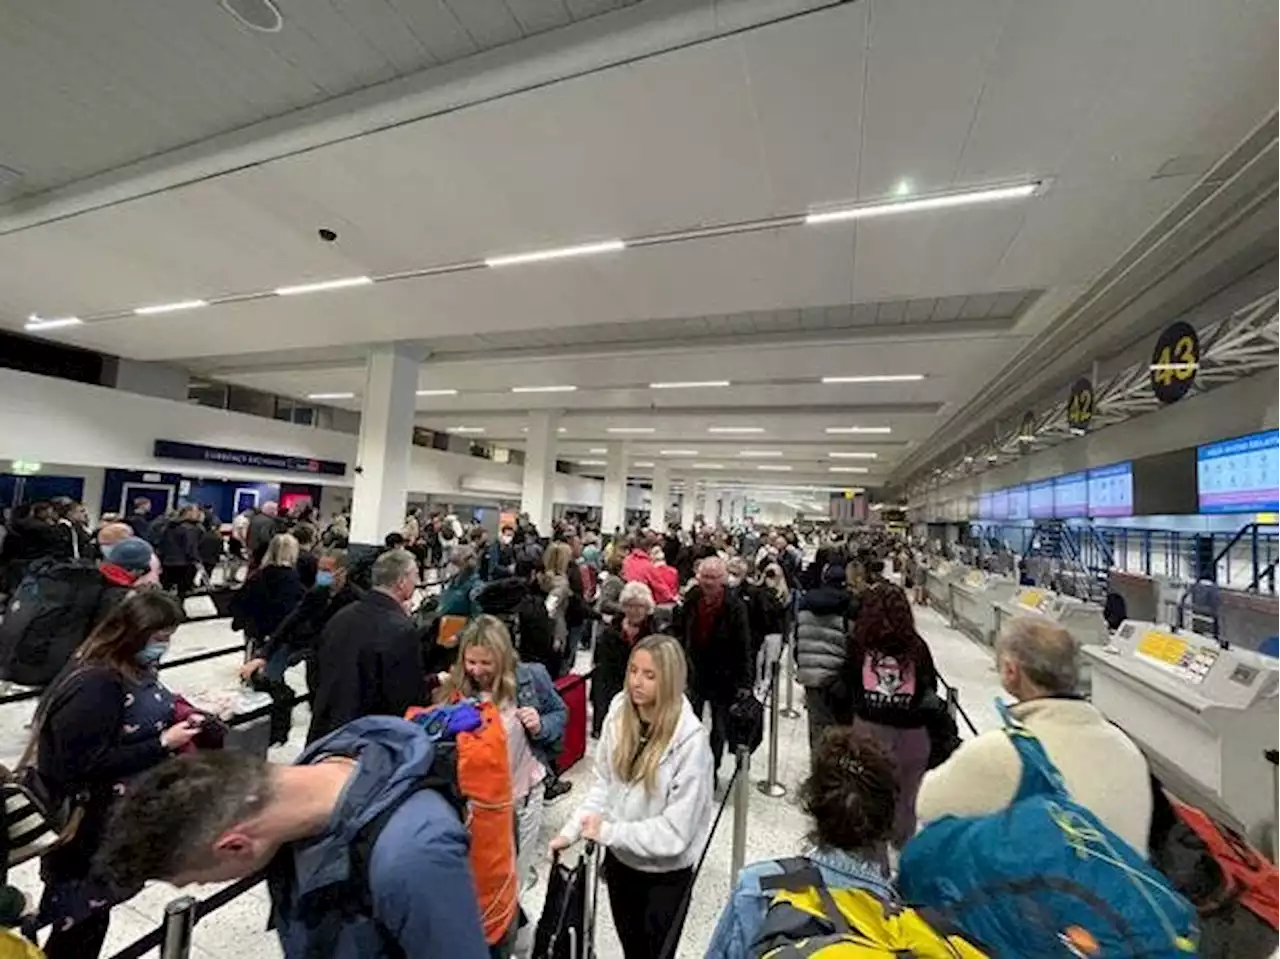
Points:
[[260, 15]]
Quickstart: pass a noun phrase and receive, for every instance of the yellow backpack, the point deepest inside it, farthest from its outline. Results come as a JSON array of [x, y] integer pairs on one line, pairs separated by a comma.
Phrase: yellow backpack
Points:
[[807, 920]]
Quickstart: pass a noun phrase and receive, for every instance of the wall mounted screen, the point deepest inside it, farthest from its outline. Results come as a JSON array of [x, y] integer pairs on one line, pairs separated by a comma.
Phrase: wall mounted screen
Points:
[[1240, 475], [1019, 508], [1040, 500], [1070, 496], [1000, 504], [1111, 490], [984, 506]]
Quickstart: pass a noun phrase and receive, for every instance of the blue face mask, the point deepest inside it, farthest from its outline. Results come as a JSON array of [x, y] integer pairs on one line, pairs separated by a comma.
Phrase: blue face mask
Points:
[[324, 578], [153, 652]]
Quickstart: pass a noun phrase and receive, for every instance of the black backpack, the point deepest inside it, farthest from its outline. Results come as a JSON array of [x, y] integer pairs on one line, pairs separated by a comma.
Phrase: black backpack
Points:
[[49, 616]]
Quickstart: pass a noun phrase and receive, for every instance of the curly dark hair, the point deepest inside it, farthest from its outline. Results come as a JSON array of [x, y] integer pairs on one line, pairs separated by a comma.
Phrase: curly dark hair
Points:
[[852, 792], [885, 621]]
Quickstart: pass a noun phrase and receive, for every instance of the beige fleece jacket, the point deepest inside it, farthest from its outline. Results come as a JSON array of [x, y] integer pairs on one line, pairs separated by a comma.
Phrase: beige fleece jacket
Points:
[[1103, 769]]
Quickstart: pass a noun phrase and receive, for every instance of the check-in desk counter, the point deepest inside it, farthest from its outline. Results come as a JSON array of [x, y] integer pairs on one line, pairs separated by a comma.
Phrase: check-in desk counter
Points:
[[1082, 620], [973, 599], [1205, 716], [938, 580]]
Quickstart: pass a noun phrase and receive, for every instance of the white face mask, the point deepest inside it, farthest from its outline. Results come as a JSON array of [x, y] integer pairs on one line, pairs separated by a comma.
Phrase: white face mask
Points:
[[507, 540], [735, 580]]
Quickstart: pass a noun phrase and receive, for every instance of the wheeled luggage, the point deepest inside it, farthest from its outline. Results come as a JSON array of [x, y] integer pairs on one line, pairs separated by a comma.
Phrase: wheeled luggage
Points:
[[568, 925], [573, 690]]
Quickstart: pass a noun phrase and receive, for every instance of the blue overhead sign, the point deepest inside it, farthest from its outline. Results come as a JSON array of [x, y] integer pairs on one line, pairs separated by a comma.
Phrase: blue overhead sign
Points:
[[247, 459]]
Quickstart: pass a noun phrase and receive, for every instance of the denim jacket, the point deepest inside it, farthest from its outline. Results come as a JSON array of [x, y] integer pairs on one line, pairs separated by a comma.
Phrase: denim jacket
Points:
[[535, 688], [744, 915]]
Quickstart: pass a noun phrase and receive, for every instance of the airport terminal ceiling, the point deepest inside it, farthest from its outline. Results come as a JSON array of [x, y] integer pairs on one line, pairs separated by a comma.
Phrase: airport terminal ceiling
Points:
[[697, 150]]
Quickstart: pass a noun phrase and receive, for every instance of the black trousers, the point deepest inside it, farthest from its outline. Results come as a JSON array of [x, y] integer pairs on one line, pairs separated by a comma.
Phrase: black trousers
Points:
[[82, 941], [181, 579], [719, 722], [649, 908]]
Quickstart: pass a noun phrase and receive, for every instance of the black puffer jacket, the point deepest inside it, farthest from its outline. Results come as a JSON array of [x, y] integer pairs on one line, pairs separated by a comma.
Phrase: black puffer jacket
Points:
[[821, 631], [522, 608]]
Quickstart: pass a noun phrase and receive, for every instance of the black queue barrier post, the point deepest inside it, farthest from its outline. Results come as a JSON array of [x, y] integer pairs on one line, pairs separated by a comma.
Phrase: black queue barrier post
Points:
[[741, 802], [179, 925]]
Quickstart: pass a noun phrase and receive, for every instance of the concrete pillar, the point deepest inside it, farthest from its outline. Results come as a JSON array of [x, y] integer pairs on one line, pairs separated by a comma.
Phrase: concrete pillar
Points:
[[688, 506], [537, 492], [613, 513], [661, 496], [386, 435], [711, 508]]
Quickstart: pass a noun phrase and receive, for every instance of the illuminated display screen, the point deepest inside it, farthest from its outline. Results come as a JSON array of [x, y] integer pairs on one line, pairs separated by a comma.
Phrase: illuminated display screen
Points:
[[1240, 475], [1070, 496], [1111, 490]]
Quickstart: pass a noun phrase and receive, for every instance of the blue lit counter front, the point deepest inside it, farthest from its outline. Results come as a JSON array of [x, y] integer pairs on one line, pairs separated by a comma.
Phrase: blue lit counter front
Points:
[[1204, 715], [972, 600]]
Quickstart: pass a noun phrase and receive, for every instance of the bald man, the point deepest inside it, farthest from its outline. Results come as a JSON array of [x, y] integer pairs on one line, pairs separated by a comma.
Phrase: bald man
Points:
[[113, 533]]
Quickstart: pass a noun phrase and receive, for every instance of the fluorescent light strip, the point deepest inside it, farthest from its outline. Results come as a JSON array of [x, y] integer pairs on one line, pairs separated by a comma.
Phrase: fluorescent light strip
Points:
[[36, 323], [437, 392], [598, 452], [691, 385], [708, 466], [677, 452], [852, 456], [735, 429], [941, 202], [331, 396], [774, 468], [847, 469], [642, 464], [885, 378], [760, 454], [1174, 367], [630, 429], [323, 285], [859, 429], [543, 389], [592, 463], [559, 253], [465, 429], [170, 307]]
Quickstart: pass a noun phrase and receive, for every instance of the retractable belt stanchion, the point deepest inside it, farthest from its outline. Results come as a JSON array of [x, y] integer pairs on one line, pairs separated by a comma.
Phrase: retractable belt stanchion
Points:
[[770, 786], [789, 711], [1274, 758], [741, 803], [179, 923]]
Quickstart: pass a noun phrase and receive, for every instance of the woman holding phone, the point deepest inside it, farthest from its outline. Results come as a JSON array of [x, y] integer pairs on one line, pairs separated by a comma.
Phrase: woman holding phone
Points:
[[651, 802]]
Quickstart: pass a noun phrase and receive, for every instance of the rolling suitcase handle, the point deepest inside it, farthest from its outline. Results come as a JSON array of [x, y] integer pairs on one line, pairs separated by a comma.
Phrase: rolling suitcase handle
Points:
[[591, 892]]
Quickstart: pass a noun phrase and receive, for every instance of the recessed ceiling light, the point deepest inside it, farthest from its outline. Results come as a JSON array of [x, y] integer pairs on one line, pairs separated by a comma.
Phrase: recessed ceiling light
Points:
[[967, 198], [708, 466], [466, 429], [592, 463], [35, 323], [847, 469], [902, 188], [678, 452], [437, 392], [760, 454], [689, 385], [558, 253], [543, 389], [331, 396], [852, 456], [170, 307], [323, 285], [876, 378], [630, 429], [599, 451], [774, 467], [859, 429], [643, 464], [735, 429]]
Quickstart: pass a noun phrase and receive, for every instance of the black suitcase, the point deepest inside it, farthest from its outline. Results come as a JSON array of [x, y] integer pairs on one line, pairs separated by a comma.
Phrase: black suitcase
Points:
[[568, 924]]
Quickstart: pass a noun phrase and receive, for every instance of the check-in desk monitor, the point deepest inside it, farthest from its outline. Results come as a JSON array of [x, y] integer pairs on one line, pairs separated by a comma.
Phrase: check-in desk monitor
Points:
[[1204, 715]]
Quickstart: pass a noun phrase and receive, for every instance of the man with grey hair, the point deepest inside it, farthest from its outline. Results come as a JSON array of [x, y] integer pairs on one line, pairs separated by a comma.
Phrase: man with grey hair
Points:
[[369, 658], [1039, 665]]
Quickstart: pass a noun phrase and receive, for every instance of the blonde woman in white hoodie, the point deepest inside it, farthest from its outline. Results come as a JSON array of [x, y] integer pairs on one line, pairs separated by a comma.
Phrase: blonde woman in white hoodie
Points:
[[650, 805]]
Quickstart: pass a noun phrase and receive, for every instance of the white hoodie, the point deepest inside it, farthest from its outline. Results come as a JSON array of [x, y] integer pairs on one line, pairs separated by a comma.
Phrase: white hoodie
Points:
[[660, 831]]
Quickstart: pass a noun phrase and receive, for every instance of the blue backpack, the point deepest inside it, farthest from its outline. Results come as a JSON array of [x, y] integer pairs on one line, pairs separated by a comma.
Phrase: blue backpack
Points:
[[1044, 877]]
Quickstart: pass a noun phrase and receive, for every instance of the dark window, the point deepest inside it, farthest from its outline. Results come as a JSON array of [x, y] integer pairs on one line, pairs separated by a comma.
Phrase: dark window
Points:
[[205, 393], [305, 415]]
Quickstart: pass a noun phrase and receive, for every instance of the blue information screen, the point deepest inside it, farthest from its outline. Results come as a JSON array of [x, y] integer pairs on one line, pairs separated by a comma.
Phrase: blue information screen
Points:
[[984, 506], [1111, 490], [1019, 508], [1071, 496], [1000, 504], [1040, 499], [1240, 475]]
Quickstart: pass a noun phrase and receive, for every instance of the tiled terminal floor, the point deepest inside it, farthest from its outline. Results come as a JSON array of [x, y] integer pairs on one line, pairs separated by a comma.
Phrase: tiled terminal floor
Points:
[[776, 826]]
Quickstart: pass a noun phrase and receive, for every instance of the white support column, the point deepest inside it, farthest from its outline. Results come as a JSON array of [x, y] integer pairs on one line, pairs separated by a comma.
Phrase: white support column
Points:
[[661, 496], [386, 439], [688, 505], [537, 493], [711, 508], [613, 514]]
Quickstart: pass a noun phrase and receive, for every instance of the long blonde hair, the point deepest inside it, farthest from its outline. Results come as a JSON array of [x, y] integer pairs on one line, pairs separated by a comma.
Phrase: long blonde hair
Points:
[[487, 633], [282, 551], [634, 758]]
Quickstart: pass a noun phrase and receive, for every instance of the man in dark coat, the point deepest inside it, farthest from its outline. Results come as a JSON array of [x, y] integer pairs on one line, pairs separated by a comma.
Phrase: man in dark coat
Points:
[[369, 660], [714, 628]]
